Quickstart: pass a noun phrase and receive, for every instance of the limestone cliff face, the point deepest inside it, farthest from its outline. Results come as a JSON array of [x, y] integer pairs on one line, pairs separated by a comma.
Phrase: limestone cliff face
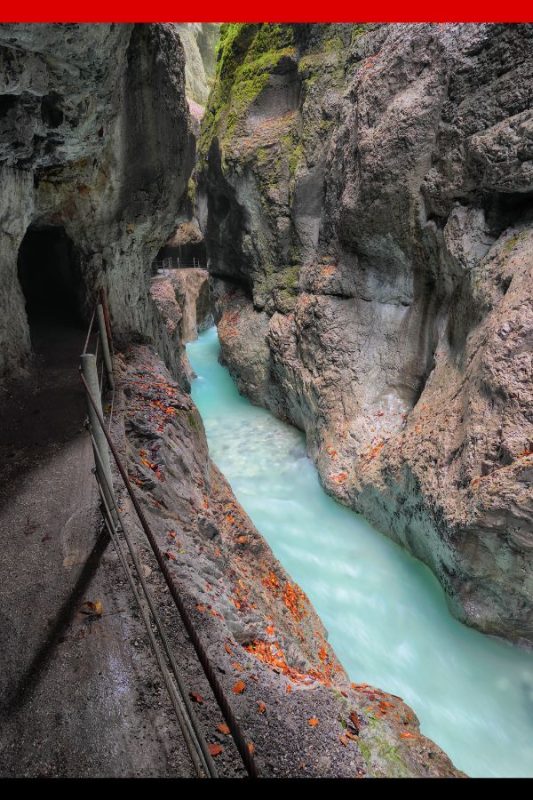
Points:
[[369, 224], [94, 138], [199, 41]]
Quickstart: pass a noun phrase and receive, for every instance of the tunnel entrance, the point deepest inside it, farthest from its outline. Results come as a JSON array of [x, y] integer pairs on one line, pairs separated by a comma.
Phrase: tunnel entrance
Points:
[[191, 254], [50, 276]]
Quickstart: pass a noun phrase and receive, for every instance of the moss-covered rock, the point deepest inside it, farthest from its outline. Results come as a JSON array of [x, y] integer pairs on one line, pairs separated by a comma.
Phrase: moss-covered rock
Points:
[[263, 147]]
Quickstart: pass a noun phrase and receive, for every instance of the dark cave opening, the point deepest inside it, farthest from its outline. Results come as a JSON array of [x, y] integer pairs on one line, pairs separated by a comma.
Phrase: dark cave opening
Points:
[[189, 254], [50, 276]]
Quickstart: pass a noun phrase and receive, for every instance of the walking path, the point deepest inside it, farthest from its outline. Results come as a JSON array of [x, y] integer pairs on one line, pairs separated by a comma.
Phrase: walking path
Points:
[[80, 694]]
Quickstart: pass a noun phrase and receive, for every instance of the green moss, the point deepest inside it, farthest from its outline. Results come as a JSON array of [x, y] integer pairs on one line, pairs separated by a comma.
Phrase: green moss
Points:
[[191, 191], [246, 56], [333, 44], [357, 32], [291, 276], [512, 241], [295, 158], [262, 155], [365, 751], [193, 421]]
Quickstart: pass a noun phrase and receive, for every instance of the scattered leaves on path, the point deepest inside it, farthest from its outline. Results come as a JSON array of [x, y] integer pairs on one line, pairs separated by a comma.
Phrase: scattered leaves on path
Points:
[[96, 608]]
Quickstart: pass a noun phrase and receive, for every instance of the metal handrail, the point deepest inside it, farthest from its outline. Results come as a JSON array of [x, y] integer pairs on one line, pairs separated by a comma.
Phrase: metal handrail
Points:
[[201, 654], [196, 745], [100, 437]]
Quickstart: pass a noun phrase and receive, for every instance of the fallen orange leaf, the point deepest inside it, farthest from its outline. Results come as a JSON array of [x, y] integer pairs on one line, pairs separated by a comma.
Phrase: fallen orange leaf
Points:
[[223, 728], [407, 735], [196, 697], [251, 747], [215, 749], [261, 707], [239, 687], [354, 719], [95, 608], [312, 722]]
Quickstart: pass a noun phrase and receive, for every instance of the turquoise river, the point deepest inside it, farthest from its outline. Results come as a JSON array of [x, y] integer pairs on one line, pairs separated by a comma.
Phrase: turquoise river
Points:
[[385, 612]]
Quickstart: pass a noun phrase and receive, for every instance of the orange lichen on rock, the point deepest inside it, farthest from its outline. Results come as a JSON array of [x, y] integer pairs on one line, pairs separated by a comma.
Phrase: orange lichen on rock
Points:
[[271, 581], [373, 451], [294, 600], [339, 477]]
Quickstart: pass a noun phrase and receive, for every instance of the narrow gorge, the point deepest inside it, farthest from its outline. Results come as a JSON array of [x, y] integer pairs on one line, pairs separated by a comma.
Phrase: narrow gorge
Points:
[[351, 205]]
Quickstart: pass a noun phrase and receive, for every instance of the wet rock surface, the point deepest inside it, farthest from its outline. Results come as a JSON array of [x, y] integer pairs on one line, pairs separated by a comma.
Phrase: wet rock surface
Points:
[[292, 697], [369, 233], [184, 299]]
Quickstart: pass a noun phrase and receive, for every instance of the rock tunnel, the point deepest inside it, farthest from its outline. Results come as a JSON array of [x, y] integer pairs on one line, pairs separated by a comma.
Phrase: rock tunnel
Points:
[[50, 276]]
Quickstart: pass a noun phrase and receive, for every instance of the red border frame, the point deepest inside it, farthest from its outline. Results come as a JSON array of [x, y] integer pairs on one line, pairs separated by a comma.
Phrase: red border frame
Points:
[[269, 11]]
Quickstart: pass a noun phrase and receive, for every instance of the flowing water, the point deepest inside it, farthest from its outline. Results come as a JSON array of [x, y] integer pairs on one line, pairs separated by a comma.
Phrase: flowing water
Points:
[[385, 612]]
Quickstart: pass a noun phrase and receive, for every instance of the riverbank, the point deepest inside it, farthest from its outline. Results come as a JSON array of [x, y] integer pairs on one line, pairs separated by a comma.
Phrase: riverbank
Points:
[[385, 613]]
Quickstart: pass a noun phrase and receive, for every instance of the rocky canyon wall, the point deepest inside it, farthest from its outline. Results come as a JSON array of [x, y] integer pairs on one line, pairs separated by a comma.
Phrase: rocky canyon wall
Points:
[[199, 41], [95, 143], [95, 140], [367, 195]]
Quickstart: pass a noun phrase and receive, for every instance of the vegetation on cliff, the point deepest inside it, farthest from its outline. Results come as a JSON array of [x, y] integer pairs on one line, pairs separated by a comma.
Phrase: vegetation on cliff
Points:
[[246, 56]]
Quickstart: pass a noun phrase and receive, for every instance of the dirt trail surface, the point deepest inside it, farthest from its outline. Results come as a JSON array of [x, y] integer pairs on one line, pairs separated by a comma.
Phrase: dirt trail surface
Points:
[[79, 694]]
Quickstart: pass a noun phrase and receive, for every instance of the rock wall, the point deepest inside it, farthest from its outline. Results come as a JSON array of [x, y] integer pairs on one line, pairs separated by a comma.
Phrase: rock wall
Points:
[[199, 41], [94, 138], [184, 300], [369, 223]]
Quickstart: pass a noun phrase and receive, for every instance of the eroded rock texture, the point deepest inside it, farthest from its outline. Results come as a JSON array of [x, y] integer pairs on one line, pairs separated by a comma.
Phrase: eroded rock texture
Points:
[[199, 41], [370, 230], [267, 645], [184, 300], [95, 142]]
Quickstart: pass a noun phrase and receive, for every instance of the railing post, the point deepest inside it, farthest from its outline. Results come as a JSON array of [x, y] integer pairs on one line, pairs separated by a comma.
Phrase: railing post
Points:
[[103, 301], [105, 345], [101, 458]]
